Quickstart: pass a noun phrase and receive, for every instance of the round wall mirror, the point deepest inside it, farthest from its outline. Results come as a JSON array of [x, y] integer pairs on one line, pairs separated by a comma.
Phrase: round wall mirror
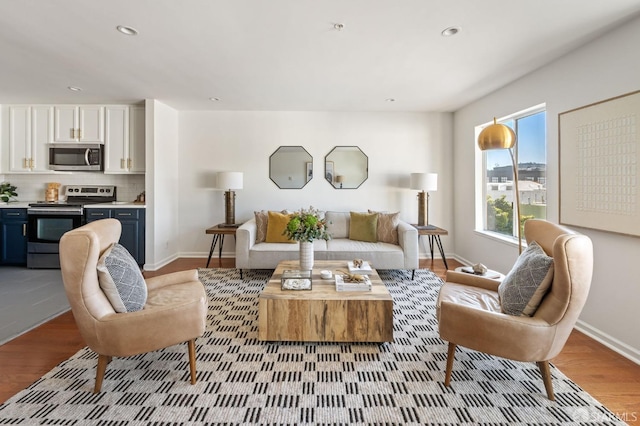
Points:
[[346, 167], [290, 167]]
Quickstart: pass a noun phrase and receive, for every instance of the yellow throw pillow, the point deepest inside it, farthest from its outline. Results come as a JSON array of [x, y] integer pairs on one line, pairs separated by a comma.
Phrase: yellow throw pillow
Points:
[[363, 227], [275, 227]]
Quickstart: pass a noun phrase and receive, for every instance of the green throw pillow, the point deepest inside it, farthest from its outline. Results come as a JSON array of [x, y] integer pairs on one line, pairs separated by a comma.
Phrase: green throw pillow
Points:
[[524, 287], [363, 227]]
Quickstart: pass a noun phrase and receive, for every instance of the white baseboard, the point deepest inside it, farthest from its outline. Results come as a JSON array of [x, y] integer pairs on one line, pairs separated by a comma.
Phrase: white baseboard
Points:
[[612, 343], [160, 264]]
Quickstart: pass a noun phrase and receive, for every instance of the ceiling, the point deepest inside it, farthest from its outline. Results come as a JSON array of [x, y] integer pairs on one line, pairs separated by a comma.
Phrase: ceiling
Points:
[[287, 55]]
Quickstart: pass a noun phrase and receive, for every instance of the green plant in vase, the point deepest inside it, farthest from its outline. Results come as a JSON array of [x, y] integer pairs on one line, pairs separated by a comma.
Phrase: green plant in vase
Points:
[[7, 192]]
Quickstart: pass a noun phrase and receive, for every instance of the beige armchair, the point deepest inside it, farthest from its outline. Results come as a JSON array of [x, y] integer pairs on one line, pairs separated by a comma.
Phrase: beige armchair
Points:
[[469, 312], [175, 310]]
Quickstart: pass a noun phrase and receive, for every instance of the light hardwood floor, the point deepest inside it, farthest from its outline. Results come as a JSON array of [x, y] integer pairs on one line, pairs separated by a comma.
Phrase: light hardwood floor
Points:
[[609, 377]]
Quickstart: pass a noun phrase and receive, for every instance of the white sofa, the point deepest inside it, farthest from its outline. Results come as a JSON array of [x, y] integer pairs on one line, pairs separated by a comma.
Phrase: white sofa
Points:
[[381, 255]]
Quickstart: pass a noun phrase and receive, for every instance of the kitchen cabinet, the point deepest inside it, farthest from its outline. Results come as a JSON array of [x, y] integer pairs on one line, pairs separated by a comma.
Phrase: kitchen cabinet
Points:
[[79, 123], [124, 139], [13, 236], [133, 227], [30, 132]]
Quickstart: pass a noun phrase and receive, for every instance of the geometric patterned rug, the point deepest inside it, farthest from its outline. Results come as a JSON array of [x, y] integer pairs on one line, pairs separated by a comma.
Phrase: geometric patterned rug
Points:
[[243, 381]]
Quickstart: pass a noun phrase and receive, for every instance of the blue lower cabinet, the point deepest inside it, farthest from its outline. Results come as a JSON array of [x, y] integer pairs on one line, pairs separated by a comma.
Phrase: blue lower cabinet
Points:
[[13, 236], [133, 228]]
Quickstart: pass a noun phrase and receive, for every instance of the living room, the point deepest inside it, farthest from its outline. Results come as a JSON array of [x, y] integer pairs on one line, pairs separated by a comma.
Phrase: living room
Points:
[[187, 146]]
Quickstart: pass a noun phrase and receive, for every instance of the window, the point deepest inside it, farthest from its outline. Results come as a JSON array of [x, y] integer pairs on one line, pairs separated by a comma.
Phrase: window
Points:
[[530, 155]]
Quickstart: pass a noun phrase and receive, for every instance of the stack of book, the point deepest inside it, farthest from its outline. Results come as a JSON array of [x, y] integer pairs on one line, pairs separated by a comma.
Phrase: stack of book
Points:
[[341, 285], [365, 268]]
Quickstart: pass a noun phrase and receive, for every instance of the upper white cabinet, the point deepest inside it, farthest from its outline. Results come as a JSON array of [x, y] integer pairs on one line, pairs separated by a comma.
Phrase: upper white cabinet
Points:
[[124, 139], [30, 132], [79, 123]]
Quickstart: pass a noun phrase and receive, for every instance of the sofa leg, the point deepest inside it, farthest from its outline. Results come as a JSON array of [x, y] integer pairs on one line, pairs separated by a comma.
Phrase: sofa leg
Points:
[[413, 274], [240, 273]]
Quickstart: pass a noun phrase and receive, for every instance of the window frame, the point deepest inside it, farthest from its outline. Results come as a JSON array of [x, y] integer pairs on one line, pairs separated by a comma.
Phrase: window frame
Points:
[[481, 181]]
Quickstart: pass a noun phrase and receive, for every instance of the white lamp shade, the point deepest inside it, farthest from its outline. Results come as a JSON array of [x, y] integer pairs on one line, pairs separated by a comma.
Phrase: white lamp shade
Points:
[[229, 180], [424, 181]]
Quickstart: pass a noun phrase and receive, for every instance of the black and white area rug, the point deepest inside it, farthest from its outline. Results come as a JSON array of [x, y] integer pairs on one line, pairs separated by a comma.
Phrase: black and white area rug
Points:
[[242, 381]]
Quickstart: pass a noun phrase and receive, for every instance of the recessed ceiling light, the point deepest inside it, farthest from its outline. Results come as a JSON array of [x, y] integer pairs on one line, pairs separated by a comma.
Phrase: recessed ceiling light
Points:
[[75, 88], [214, 99], [338, 26], [451, 31], [390, 100], [127, 30]]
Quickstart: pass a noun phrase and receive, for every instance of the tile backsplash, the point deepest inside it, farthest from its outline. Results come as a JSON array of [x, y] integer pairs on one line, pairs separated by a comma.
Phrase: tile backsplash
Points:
[[31, 187]]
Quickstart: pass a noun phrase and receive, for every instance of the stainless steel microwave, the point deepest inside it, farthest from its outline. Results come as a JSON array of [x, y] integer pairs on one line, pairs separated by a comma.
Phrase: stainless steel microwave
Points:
[[76, 156]]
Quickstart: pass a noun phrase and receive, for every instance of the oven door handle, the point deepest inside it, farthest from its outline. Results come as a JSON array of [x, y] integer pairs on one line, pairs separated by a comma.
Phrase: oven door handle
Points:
[[86, 156]]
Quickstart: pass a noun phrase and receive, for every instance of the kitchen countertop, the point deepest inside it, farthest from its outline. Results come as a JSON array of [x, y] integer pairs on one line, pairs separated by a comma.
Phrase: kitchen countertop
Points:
[[116, 205], [112, 205]]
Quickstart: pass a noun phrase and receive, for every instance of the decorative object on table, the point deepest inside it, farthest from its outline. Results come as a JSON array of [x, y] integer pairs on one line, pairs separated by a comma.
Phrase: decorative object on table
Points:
[[326, 274], [51, 192], [7, 192], [479, 269], [229, 181], [499, 136], [359, 266], [296, 280], [353, 282], [305, 226], [424, 182], [340, 180]]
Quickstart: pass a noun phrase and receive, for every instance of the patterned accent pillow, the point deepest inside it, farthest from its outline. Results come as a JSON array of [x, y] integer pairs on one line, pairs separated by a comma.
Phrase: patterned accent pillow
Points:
[[261, 224], [363, 227], [523, 288], [388, 227], [120, 279], [275, 228], [262, 218]]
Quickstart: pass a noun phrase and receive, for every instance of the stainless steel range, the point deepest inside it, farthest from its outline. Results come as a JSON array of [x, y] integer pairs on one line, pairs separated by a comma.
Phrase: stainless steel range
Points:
[[48, 221]]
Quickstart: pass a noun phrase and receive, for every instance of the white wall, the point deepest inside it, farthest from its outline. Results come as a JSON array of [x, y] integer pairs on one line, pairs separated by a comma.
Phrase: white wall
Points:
[[396, 144], [162, 184], [603, 69]]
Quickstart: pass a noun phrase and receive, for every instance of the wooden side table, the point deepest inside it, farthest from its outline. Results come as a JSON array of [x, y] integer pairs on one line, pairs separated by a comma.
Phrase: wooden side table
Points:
[[433, 233], [218, 237]]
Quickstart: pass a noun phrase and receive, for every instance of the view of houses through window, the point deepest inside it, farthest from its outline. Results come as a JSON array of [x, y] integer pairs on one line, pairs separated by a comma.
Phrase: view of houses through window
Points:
[[499, 189]]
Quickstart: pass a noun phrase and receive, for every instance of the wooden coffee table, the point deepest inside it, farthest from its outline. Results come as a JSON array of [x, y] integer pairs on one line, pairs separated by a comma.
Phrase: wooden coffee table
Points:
[[324, 314]]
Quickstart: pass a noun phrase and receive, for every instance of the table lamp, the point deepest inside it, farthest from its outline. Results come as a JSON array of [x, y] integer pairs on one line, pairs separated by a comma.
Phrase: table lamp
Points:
[[340, 180], [229, 181], [424, 182], [499, 136]]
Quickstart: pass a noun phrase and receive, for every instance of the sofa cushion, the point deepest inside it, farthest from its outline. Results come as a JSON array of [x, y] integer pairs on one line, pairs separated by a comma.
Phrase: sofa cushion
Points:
[[523, 288], [363, 226], [120, 279], [387, 227], [338, 224], [276, 224]]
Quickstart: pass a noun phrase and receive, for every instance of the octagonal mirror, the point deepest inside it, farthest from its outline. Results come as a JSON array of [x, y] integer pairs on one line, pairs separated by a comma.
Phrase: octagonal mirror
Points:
[[346, 167], [290, 167]]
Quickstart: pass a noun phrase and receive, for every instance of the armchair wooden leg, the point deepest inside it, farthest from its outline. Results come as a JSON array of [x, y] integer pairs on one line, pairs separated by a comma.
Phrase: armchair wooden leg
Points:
[[103, 360], [192, 360], [451, 354], [546, 377]]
